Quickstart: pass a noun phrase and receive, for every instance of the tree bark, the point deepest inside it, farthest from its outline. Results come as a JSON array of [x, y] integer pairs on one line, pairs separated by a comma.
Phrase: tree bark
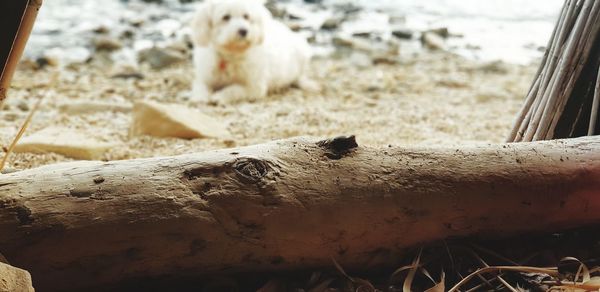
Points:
[[284, 205]]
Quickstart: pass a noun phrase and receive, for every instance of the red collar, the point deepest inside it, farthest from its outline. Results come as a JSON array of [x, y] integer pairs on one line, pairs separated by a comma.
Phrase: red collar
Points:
[[222, 65]]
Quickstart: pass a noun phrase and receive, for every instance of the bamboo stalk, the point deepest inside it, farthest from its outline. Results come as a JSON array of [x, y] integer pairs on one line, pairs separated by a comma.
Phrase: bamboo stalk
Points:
[[516, 133], [563, 72], [524, 110], [566, 61], [595, 106], [564, 26], [586, 43], [18, 46]]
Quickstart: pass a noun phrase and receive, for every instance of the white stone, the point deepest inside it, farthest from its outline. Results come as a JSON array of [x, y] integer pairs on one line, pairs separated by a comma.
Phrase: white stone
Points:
[[64, 141], [433, 41], [173, 120]]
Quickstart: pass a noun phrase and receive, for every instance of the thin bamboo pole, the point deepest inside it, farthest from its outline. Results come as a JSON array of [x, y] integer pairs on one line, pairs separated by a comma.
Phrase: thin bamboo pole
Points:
[[18, 46], [595, 107], [560, 74]]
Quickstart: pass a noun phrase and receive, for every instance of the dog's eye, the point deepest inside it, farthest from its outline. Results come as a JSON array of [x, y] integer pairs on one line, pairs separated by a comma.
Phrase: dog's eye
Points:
[[246, 17], [226, 17]]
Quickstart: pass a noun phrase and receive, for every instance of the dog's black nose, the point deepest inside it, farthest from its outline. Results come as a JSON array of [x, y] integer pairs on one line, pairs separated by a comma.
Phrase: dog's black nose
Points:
[[243, 32]]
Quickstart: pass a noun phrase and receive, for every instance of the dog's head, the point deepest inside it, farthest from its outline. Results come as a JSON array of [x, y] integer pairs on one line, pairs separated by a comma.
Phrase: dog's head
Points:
[[230, 26]]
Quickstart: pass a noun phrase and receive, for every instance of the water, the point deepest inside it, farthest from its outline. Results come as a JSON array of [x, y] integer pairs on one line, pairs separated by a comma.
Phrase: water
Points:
[[510, 30]]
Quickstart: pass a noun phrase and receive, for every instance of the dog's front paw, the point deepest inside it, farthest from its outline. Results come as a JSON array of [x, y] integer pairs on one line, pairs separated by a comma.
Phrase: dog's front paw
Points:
[[309, 85], [199, 94], [222, 97], [233, 94]]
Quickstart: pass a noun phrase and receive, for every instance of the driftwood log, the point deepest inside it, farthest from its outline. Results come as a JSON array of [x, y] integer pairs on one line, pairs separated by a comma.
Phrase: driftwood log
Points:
[[282, 205]]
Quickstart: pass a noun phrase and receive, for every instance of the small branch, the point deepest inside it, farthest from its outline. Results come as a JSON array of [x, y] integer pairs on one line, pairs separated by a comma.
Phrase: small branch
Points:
[[595, 107]]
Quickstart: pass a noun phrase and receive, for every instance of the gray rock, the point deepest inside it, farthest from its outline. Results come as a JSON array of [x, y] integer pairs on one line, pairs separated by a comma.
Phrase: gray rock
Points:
[[332, 23], [497, 67], [441, 31], [11, 116], [365, 34], [348, 8], [107, 44], [403, 33], [385, 60], [275, 9], [101, 30], [160, 58], [22, 105], [46, 61], [340, 41]]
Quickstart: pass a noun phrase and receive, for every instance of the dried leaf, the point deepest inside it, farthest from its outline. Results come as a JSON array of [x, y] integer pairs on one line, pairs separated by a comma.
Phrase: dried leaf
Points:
[[439, 287], [582, 270], [411, 274], [549, 271]]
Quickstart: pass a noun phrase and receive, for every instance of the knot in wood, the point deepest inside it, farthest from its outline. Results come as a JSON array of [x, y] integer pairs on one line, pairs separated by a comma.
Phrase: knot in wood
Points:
[[337, 147], [250, 170]]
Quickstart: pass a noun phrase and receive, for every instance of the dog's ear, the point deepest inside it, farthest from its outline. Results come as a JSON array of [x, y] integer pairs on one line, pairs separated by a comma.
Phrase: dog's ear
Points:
[[202, 24], [265, 17]]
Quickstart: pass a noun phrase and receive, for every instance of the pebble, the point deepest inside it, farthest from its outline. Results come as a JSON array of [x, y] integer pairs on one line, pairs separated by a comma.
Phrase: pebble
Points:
[[441, 31], [432, 41], [403, 33], [160, 58], [107, 44], [497, 67], [23, 105], [332, 23], [10, 116]]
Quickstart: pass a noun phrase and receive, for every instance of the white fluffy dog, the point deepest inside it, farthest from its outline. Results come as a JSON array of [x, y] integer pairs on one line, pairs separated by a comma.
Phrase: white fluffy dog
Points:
[[241, 52]]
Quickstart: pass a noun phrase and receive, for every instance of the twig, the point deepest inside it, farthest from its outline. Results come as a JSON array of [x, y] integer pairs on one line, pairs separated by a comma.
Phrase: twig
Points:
[[595, 106], [549, 271], [508, 286], [21, 131], [51, 84]]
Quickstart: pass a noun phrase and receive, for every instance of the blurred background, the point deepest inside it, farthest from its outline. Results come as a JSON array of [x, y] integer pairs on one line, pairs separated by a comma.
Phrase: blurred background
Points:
[[509, 30], [393, 72]]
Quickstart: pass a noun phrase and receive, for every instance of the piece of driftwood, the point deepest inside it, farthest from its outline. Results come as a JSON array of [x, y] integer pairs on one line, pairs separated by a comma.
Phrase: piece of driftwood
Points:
[[284, 205]]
